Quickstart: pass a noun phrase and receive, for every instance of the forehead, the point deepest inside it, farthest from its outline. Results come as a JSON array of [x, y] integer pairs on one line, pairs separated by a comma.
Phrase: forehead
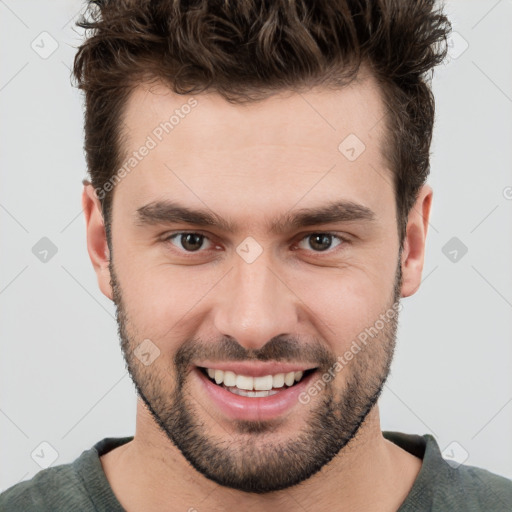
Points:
[[318, 142], [323, 116]]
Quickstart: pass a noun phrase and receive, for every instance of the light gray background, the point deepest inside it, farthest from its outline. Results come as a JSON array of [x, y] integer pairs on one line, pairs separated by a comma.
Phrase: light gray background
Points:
[[63, 379]]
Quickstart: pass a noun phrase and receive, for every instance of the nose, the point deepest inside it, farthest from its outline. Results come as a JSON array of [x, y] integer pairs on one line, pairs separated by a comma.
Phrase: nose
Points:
[[256, 304]]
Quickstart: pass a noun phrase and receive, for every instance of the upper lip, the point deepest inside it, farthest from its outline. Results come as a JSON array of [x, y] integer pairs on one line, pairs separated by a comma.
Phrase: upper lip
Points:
[[259, 369]]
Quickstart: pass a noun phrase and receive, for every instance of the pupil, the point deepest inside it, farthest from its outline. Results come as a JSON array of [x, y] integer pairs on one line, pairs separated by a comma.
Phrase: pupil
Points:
[[323, 239], [192, 240]]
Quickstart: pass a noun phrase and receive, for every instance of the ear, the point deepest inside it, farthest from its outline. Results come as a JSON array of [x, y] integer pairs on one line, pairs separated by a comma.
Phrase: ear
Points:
[[97, 246], [413, 253]]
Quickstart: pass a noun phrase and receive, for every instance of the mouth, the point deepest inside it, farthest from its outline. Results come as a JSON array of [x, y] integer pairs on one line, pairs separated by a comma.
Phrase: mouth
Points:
[[255, 387], [260, 397]]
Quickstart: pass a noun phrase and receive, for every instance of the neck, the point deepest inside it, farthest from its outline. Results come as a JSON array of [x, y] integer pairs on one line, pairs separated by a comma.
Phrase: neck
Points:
[[370, 473]]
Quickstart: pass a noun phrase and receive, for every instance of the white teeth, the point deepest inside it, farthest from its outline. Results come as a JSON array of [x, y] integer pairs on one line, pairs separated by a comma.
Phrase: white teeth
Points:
[[259, 384], [289, 378], [278, 380], [219, 376], [254, 394], [244, 382], [263, 383], [229, 379]]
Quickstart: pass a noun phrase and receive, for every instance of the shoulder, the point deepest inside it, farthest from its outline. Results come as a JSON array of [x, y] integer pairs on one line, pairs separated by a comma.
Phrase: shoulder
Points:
[[79, 485], [442, 484], [480, 489], [49, 489]]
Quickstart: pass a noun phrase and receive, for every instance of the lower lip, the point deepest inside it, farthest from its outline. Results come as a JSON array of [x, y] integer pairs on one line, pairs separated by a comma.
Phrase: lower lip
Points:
[[263, 408]]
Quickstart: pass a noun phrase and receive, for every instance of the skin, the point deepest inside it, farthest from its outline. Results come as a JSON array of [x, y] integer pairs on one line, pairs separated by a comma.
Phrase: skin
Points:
[[251, 164]]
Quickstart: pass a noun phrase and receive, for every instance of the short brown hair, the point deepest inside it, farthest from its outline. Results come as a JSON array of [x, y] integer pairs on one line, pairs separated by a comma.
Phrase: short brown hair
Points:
[[246, 50]]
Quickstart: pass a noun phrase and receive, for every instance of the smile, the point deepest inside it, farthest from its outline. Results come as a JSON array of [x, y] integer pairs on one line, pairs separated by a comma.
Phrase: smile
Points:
[[245, 385], [253, 397]]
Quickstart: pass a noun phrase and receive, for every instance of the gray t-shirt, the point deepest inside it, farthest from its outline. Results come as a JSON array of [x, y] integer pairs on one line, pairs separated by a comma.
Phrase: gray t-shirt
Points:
[[439, 487]]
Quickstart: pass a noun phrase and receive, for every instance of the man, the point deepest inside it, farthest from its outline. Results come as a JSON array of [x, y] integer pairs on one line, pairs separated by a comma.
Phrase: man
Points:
[[257, 208]]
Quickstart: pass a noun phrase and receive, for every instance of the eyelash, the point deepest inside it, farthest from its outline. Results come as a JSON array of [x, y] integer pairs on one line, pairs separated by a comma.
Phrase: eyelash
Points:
[[343, 240]]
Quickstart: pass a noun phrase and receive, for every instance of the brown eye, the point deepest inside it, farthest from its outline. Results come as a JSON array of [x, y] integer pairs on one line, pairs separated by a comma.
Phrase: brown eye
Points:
[[190, 242], [321, 242]]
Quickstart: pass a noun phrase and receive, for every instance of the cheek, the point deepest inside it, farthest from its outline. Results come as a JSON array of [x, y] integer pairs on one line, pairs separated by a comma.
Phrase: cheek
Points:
[[163, 301], [342, 303]]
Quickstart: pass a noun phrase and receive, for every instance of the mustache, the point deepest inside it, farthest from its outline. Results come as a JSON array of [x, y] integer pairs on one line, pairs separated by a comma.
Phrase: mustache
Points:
[[279, 348]]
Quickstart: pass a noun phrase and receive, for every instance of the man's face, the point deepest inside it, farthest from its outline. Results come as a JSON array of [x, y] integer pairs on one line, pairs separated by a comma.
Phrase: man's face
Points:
[[250, 299]]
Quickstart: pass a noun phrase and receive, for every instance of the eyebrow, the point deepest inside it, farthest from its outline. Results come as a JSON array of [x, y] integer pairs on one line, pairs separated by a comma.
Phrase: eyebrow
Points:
[[170, 212]]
